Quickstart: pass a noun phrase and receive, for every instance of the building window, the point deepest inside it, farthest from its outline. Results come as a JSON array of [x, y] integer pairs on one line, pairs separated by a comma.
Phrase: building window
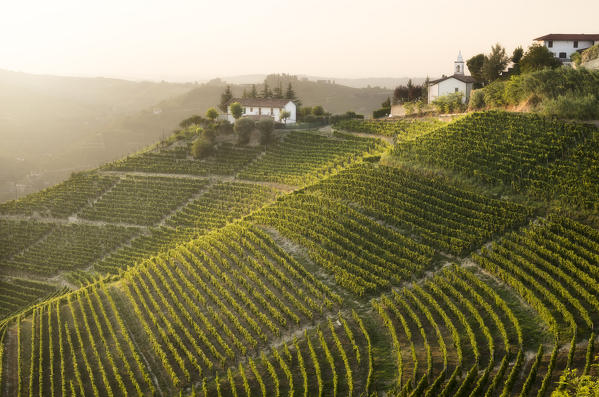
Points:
[[550, 44], [576, 44], [563, 55]]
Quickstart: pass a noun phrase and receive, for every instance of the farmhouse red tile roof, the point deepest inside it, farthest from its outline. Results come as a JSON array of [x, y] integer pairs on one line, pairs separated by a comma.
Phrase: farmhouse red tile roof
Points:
[[567, 37], [261, 102]]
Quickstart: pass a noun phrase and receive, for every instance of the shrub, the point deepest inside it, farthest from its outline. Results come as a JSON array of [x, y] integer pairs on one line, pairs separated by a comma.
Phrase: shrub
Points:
[[570, 106], [265, 126], [212, 114], [224, 127], [236, 110], [494, 94], [383, 112], [538, 57], [590, 53], [345, 116], [201, 148], [477, 100], [243, 129], [209, 133], [191, 121], [409, 107], [449, 103], [318, 110]]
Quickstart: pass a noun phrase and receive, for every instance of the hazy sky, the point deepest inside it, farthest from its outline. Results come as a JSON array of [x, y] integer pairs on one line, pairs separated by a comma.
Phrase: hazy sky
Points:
[[193, 40]]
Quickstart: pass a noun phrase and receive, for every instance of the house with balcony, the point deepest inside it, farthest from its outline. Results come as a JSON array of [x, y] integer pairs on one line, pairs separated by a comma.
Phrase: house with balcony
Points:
[[564, 45]]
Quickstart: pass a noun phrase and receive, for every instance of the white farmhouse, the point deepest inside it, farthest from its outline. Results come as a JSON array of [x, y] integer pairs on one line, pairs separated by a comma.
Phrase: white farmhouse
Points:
[[458, 82], [264, 107], [564, 45]]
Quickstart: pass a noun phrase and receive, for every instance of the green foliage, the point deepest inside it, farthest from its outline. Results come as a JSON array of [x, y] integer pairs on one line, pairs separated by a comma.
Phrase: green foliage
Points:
[[317, 110], [302, 157], [69, 247], [202, 147], [64, 199], [243, 129], [590, 53], [236, 110], [143, 200], [284, 115], [536, 87], [224, 127], [409, 107], [411, 206], [193, 120], [345, 116], [266, 92], [495, 63], [498, 148], [571, 106], [574, 385], [516, 59], [379, 113], [475, 66], [402, 128], [226, 160], [538, 57], [266, 127], [212, 114], [225, 97], [494, 94], [450, 103], [290, 93], [220, 204], [477, 99]]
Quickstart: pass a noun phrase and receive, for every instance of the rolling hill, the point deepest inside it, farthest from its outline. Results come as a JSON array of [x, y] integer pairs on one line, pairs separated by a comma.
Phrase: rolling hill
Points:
[[53, 126], [330, 263]]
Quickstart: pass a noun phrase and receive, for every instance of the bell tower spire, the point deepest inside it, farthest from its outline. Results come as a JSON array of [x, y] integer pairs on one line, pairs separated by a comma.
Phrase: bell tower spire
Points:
[[458, 67]]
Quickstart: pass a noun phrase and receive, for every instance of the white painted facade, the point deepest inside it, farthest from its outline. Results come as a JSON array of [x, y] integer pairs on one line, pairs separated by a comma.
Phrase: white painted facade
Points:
[[458, 82], [449, 86], [269, 108], [564, 49], [563, 46]]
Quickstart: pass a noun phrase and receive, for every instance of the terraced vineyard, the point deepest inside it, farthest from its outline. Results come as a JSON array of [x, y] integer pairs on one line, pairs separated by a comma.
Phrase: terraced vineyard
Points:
[[402, 128], [221, 204], [440, 215], [310, 268], [453, 335], [363, 255], [143, 200], [304, 156], [227, 160], [15, 236], [67, 247], [16, 294], [63, 199], [496, 147], [573, 179]]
